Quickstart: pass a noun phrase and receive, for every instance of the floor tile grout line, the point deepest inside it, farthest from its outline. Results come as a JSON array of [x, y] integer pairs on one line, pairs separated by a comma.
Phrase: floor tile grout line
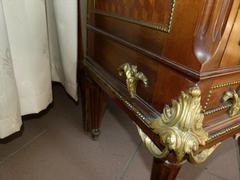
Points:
[[237, 147], [213, 174], [129, 162], [22, 147], [238, 158]]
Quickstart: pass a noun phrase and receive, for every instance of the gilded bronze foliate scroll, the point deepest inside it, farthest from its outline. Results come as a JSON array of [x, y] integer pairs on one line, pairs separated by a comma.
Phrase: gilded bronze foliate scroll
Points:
[[180, 129]]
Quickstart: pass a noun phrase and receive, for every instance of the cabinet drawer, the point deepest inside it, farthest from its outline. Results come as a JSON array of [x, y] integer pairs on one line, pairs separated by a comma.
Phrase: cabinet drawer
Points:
[[219, 99], [110, 55], [151, 25]]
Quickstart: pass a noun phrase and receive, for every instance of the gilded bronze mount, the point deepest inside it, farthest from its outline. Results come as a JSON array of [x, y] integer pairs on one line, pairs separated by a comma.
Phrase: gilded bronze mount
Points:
[[180, 129]]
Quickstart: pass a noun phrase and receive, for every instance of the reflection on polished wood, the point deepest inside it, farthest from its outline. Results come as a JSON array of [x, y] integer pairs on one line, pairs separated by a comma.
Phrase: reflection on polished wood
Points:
[[155, 14]]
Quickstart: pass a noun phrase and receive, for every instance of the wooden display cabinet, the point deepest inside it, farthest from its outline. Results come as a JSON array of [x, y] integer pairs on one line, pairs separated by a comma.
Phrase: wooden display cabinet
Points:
[[173, 67]]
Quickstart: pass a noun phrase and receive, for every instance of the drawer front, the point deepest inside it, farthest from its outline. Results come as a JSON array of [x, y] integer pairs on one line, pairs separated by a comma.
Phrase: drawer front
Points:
[[110, 55], [151, 25], [220, 99], [164, 83], [168, 28], [155, 14], [122, 32]]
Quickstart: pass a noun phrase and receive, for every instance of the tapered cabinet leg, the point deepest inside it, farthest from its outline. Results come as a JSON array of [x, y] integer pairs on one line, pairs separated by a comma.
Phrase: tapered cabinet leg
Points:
[[94, 104], [164, 171], [237, 138]]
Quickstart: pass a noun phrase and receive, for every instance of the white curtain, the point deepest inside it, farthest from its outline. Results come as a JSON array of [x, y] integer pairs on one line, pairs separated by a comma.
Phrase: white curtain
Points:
[[38, 44]]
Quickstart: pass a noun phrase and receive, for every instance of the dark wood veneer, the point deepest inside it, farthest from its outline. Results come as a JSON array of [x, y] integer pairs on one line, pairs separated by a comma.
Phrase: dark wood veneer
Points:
[[168, 62], [151, 11]]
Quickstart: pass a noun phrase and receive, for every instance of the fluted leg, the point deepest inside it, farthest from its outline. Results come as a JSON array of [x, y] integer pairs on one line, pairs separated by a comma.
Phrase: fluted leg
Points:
[[237, 138], [93, 103]]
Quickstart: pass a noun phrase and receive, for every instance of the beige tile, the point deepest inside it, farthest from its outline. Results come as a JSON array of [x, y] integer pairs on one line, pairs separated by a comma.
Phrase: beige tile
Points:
[[66, 152], [216, 168], [54, 146], [140, 166], [34, 125], [191, 172], [122, 121], [31, 130], [224, 162]]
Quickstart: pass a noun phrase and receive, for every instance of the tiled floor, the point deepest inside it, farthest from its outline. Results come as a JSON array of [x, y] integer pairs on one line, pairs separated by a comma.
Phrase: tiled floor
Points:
[[53, 146]]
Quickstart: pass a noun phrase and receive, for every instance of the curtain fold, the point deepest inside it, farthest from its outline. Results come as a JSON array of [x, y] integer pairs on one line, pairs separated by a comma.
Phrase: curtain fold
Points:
[[38, 44]]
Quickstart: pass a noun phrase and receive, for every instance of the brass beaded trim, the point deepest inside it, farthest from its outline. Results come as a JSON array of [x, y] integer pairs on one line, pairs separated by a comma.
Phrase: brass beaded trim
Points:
[[127, 103], [224, 131], [208, 99], [130, 106], [226, 84], [160, 27], [217, 109], [208, 112]]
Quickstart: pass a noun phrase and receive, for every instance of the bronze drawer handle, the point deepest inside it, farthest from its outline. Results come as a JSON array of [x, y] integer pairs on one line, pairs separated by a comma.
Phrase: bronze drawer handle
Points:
[[132, 77], [232, 97]]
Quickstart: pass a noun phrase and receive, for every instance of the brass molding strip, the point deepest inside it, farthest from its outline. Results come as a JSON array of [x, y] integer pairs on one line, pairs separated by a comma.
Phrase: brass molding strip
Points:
[[220, 108], [160, 27], [222, 132], [226, 84]]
